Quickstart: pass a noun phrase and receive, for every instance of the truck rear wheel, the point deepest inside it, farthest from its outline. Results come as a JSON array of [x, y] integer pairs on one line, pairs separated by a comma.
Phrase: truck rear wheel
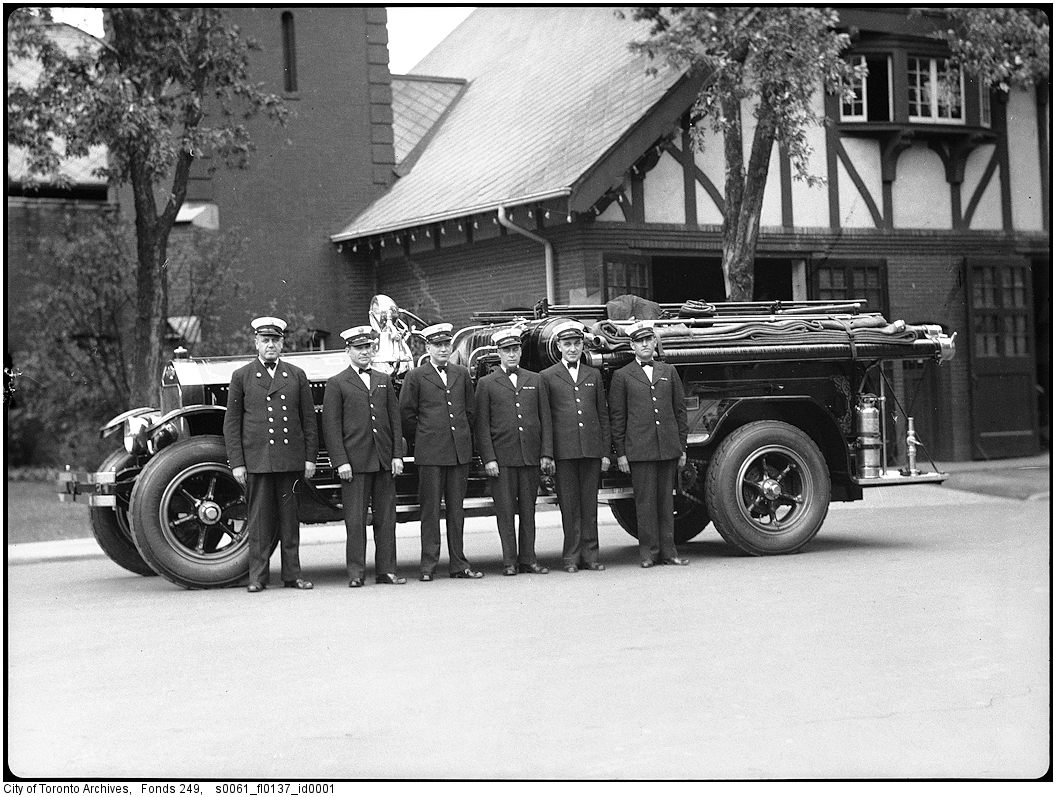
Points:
[[768, 488], [189, 515], [690, 517], [110, 526]]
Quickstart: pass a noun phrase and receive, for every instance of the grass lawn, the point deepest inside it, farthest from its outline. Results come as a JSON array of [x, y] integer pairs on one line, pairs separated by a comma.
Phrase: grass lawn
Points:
[[34, 514]]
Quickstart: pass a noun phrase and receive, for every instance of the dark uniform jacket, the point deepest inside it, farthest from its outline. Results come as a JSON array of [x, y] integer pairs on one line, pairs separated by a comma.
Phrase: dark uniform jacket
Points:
[[513, 426], [361, 428], [270, 424], [648, 419], [438, 419], [580, 412]]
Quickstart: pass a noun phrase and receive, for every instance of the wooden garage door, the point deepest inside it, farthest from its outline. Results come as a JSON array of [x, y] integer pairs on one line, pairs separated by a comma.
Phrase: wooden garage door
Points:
[[1001, 358]]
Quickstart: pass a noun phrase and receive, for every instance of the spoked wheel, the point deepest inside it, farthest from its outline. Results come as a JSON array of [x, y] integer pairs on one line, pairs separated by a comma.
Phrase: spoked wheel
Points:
[[768, 488], [189, 515], [203, 510]]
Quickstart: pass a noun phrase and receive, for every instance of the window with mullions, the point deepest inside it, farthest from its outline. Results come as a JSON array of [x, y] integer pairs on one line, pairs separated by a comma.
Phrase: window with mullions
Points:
[[936, 91], [624, 274], [840, 281], [872, 94], [999, 318]]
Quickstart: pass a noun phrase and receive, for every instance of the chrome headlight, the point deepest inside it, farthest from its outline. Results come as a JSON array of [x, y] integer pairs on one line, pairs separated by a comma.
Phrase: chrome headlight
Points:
[[135, 433]]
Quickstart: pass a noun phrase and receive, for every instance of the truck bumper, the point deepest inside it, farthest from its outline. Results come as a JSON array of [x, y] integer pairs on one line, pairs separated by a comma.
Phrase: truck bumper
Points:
[[96, 488]]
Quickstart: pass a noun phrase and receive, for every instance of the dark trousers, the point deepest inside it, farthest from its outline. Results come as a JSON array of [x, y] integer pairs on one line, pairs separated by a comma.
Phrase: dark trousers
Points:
[[447, 482], [378, 489], [654, 503], [514, 491], [272, 510], [577, 495]]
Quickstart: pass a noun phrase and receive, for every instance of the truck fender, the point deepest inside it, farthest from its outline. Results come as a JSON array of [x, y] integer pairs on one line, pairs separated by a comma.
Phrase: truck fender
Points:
[[800, 411], [118, 421], [184, 422]]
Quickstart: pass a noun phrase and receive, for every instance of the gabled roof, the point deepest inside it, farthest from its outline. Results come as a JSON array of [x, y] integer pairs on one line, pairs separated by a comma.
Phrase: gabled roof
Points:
[[550, 91], [418, 103], [25, 72]]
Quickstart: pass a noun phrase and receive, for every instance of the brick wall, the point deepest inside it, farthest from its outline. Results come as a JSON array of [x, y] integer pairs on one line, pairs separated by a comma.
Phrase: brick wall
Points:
[[306, 180], [451, 284], [929, 289]]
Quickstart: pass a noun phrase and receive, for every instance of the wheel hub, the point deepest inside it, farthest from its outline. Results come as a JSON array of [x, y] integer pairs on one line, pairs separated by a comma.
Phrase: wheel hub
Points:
[[771, 489], [209, 512]]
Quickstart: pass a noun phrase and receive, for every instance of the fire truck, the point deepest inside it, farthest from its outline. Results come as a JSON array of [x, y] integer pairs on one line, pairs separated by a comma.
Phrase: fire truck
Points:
[[789, 407]]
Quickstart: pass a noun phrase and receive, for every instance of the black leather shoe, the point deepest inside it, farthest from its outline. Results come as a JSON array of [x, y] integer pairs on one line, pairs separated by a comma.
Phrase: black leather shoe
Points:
[[593, 566], [390, 578], [571, 569], [425, 577], [648, 563], [467, 573], [255, 586], [509, 570], [674, 560], [298, 583], [356, 582], [539, 570]]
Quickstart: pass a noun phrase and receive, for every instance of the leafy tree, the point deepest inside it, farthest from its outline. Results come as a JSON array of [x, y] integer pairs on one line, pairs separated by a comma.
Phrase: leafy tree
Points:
[[76, 366], [167, 86], [775, 58], [1006, 47]]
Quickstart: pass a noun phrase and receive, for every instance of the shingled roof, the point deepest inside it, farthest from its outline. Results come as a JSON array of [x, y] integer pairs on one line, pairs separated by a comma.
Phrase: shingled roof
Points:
[[418, 104], [549, 92]]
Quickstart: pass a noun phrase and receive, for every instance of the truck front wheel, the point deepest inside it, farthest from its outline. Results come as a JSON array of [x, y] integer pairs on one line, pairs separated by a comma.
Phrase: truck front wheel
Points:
[[768, 488], [690, 517], [189, 515], [110, 526]]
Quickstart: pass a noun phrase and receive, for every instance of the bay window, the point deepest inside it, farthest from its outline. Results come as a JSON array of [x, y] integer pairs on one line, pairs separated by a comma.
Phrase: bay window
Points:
[[935, 91]]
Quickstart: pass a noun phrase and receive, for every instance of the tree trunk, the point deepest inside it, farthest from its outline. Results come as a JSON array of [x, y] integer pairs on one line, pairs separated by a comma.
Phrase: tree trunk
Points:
[[741, 227], [733, 145], [152, 294]]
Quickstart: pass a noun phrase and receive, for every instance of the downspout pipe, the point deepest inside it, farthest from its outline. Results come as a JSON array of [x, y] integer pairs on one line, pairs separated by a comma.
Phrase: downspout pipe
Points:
[[548, 253]]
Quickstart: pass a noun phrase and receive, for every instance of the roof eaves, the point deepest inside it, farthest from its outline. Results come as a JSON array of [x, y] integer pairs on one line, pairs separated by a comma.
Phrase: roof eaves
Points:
[[448, 215], [653, 124], [430, 78]]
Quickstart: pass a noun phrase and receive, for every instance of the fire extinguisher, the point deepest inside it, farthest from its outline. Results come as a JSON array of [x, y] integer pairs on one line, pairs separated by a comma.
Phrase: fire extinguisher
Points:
[[868, 443]]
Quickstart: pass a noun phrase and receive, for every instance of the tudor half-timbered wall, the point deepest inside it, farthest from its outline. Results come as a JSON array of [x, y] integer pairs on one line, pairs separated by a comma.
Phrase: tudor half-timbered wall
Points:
[[935, 208]]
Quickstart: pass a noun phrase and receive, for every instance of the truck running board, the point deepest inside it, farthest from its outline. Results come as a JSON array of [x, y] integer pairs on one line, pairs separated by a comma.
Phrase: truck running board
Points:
[[894, 477]]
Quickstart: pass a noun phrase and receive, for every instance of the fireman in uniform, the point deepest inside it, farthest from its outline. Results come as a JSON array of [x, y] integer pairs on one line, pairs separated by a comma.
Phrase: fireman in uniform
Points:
[[437, 410], [361, 428], [514, 442], [272, 441], [582, 445], [649, 432]]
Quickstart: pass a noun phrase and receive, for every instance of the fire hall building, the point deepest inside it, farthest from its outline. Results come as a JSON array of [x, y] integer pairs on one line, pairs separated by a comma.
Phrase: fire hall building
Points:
[[532, 156], [536, 158]]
